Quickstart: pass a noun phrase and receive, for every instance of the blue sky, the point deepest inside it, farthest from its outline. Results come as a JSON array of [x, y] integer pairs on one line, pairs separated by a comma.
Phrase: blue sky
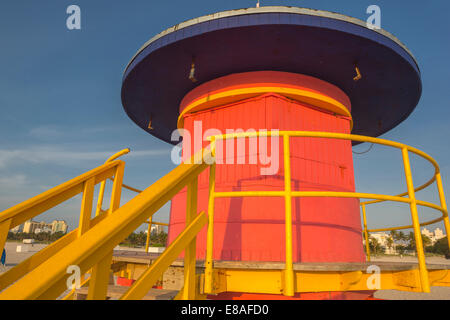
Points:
[[61, 113]]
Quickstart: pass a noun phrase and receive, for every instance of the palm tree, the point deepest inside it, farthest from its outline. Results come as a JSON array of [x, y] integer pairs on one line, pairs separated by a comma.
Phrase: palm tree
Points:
[[374, 245], [401, 236], [426, 241], [389, 242], [411, 241]]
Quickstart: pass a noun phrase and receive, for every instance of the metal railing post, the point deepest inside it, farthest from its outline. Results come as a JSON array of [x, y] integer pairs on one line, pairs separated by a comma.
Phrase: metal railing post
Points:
[[4, 230], [190, 251], [444, 206], [86, 206], [424, 281], [101, 194], [366, 234], [289, 270], [210, 233]]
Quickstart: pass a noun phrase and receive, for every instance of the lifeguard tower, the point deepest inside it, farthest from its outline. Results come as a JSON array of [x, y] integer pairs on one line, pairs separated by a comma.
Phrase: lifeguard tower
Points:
[[312, 83]]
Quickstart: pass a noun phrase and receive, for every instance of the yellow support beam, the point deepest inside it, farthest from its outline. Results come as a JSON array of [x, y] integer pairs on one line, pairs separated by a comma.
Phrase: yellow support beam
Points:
[[289, 285], [149, 231], [86, 206], [366, 234], [416, 224], [51, 198], [190, 251], [444, 206], [5, 225], [12, 275], [98, 284], [48, 279], [210, 232]]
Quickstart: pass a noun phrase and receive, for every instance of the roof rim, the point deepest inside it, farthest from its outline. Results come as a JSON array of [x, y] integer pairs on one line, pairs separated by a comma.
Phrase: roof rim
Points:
[[270, 9]]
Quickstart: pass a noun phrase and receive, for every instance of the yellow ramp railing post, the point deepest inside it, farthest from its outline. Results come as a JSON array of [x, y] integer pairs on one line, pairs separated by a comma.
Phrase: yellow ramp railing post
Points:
[[4, 229], [145, 282], [289, 270], [101, 271], [190, 251], [366, 234], [416, 224], [86, 206], [444, 206], [149, 231]]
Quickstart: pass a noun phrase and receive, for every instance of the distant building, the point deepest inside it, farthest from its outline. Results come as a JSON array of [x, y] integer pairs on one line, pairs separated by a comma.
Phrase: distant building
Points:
[[435, 235], [59, 226], [156, 229], [31, 226], [382, 239], [43, 230]]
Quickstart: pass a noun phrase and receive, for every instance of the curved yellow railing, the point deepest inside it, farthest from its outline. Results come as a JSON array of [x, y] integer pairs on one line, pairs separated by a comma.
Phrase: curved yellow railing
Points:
[[288, 194]]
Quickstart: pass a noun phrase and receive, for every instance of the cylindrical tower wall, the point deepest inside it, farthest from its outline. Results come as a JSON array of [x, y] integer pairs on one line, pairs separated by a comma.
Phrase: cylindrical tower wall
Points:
[[253, 229]]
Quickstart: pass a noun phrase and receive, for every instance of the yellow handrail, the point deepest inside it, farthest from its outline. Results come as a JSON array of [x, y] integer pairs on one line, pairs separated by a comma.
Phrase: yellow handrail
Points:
[[32, 207], [287, 193]]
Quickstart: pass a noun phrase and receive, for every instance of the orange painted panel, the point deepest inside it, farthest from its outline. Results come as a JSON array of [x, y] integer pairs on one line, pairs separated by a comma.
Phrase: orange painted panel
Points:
[[252, 229]]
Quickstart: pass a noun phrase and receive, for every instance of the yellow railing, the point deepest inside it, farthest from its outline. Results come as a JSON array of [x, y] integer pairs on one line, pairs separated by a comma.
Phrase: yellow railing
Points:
[[31, 208], [288, 194]]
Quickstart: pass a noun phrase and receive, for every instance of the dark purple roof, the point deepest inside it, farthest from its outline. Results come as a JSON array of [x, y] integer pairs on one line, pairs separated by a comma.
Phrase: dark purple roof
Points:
[[316, 43]]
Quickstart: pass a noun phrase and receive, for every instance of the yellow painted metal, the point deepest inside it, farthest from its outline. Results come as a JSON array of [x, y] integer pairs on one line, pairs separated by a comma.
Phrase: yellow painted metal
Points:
[[415, 219], [159, 223], [229, 96], [366, 234], [152, 274], [13, 274], [289, 289], [5, 225], [101, 192], [408, 227], [287, 193], [101, 271], [332, 135], [190, 251], [51, 198], [71, 294], [149, 231], [44, 273], [48, 279], [444, 206], [270, 281], [86, 206], [117, 188], [98, 285], [210, 233]]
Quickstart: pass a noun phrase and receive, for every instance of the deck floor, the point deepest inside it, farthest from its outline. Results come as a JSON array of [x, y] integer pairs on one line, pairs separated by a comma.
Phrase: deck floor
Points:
[[140, 257]]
